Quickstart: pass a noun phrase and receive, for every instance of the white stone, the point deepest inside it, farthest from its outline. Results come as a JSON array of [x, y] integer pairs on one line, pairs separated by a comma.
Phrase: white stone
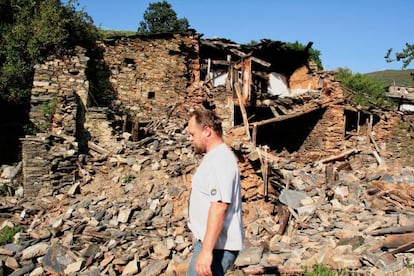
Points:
[[73, 267]]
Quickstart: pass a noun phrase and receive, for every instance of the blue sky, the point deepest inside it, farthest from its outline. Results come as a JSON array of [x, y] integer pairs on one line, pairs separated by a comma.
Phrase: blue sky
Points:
[[355, 34]]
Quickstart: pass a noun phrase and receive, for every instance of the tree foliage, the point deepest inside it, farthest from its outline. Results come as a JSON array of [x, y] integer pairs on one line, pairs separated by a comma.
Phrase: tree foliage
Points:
[[160, 17], [314, 55], [365, 90], [406, 56], [30, 30]]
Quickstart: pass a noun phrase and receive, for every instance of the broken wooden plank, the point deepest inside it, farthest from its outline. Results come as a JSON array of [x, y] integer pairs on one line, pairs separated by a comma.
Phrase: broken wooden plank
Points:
[[97, 148], [397, 240], [242, 109], [393, 230], [246, 79], [285, 215], [254, 135], [389, 257], [274, 111], [330, 180], [261, 62], [279, 119], [297, 114], [339, 156], [270, 157]]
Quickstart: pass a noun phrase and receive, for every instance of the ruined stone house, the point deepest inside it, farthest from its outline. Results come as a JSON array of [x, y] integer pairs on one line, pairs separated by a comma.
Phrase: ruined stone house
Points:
[[280, 100], [402, 96]]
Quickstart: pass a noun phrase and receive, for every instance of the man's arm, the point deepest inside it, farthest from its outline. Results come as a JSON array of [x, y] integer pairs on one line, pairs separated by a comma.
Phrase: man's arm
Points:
[[216, 215]]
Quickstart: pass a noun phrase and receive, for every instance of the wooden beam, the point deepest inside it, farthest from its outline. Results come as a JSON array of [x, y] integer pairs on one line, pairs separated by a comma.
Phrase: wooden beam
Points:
[[238, 53], [295, 114], [358, 121], [270, 156], [274, 111], [344, 130], [242, 107], [247, 79], [261, 62], [208, 68], [255, 59], [285, 117], [254, 135], [217, 62], [339, 156]]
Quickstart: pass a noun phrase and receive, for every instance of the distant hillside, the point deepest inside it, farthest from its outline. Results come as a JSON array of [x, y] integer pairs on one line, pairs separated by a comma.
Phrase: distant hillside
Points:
[[388, 77]]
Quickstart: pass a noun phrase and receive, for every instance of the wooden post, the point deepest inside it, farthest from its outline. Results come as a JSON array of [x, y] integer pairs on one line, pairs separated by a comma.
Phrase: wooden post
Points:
[[231, 104], [371, 119], [208, 70], [247, 79], [329, 180], [135, 128], [359, 118], [344, 132], [242, 109], [124, 123], [265, 166], [254, 134]]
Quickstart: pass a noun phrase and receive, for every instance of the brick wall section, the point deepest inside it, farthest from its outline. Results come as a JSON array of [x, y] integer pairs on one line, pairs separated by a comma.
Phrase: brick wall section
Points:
[[150, 74]]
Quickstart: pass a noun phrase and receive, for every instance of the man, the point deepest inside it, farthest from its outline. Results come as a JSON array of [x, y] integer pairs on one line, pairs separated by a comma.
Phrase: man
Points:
[[215, 213]]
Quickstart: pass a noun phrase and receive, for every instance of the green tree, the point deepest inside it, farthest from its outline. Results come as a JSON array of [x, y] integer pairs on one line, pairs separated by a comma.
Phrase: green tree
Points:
[[252, 43], [406, 56], [364, 90], [30, 31], [160, 17], [314, 55]]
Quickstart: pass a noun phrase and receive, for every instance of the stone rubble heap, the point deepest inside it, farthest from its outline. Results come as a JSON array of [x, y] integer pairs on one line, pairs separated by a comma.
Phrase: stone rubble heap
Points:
[[127, 213]]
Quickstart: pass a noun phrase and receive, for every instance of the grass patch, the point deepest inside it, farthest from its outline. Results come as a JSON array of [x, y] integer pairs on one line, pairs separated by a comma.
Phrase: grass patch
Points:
[[128, 178], [7, 234], [323, 270]]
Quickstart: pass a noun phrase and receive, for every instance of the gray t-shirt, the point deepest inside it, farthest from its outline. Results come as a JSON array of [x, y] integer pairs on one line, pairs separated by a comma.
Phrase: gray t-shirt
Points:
[[217, 179]]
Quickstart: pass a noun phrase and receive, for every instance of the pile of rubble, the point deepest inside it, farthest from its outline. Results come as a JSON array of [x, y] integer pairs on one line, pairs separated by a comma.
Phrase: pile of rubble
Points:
[[127, 213]]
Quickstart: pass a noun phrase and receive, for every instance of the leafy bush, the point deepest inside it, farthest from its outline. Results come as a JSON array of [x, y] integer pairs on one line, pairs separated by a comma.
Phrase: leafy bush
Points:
[[29, 32], [365, 90]]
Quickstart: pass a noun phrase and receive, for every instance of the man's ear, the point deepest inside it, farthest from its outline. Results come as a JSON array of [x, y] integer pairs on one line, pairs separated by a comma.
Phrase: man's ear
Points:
[[206, 131]]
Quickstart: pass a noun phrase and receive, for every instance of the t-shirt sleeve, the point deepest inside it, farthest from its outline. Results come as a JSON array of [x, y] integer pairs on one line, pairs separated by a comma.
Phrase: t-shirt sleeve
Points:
[[222, 182]]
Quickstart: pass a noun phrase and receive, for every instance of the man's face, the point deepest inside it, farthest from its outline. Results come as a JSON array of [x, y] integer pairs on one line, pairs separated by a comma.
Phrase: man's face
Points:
[[197, 136]]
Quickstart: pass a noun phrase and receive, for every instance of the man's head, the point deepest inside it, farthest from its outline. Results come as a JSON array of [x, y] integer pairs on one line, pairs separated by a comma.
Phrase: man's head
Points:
[[205, 129]]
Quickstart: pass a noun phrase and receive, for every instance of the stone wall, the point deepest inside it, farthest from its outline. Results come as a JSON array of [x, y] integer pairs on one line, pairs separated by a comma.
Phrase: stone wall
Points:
[[327, 136], [150, 74], [58, 100]]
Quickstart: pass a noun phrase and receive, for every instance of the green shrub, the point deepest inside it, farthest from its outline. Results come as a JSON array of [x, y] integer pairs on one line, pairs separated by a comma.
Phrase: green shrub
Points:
[[365, 90], [7, 234], [48, 108], [128, 178], [323, 270]]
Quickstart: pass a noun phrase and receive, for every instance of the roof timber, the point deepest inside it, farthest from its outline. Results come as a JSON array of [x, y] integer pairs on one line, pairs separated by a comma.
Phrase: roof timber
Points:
[[311, 107]]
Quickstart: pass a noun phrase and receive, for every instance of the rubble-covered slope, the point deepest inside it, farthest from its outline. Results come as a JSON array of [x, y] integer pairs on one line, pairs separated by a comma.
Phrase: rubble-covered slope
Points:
[[127, 213]]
